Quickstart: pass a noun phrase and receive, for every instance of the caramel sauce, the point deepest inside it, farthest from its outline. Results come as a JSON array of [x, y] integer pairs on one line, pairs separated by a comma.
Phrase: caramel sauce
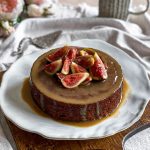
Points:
[[26, 95]]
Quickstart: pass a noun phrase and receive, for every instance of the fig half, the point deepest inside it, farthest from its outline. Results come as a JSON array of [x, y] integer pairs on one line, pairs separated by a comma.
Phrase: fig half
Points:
[[90, 51], [83, 53], [74, 80], [75, 68], [85, 61], [53, 67], [57, 54], [68, 60], [98, 71]]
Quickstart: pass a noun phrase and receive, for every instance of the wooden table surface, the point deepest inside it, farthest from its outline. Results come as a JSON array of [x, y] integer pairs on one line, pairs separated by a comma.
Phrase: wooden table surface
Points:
[[30, 141]]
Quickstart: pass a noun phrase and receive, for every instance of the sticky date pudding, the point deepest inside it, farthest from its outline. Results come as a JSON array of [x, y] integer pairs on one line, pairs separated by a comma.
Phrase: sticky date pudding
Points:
[[76, 84]]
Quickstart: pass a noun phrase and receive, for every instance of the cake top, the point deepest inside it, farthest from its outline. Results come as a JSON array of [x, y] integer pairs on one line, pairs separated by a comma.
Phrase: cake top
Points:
[[55, 84], [75, 67]]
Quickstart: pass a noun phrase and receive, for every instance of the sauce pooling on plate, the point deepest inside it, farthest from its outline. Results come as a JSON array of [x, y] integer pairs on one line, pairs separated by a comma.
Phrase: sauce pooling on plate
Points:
[[26, 96]]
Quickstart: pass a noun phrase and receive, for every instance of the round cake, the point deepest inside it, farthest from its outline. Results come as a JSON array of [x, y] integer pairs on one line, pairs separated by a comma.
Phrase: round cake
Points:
[[76, 84]]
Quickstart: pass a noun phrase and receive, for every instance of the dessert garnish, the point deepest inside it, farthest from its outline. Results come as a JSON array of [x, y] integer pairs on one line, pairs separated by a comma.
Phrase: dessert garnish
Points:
[[85, 61], [74, 67], [69, 58], [98, 70], [53, 67], [73, 80], [57, 54]]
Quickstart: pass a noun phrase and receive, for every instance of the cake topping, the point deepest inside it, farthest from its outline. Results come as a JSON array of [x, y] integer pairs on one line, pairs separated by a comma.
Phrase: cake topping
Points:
[[90, 51], [53, 67], [85, 61], [57, 54], [71, 55], [73, 80], [98, 70], [83, 53], [74, 67]]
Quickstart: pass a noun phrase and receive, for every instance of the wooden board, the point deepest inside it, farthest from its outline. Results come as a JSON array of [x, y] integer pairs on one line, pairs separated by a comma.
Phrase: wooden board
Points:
[[30, 141]]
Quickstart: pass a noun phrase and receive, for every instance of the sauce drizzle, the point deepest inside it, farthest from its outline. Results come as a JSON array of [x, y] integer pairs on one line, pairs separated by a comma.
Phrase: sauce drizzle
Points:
[[26, 96]]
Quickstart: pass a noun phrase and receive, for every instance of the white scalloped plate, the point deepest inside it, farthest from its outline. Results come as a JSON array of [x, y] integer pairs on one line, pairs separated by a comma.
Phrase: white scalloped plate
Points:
[[22, 115]]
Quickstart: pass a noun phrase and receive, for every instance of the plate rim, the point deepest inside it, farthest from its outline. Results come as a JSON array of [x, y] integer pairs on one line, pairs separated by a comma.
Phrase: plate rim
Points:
[[79, 138]]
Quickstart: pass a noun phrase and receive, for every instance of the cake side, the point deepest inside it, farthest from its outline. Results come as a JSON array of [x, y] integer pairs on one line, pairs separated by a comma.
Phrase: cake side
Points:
[[74, 112], [80, 103]]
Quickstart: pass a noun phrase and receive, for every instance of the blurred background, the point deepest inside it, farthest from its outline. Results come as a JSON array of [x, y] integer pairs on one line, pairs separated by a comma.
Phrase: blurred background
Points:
[[135, 3]]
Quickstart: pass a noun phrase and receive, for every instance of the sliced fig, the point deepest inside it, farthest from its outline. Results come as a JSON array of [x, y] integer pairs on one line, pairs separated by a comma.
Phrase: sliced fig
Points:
[[66, 66], [68, 60], [57, 54], [60, 76], [75, 68], [90, 51], [85, 61], [87, 80], [97, 58], [98, 71], [53, 67], [72, 53], [74, 80], [83, 53]]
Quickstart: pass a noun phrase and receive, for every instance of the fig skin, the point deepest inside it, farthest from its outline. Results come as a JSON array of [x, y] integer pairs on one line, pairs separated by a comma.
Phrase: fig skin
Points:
[[85, 61], [60, 76], [57, 54], [74, 80], [83, 53], [53, 67], [98, 71], [90, 51], [67, 58], [75, 68], [71, 55]]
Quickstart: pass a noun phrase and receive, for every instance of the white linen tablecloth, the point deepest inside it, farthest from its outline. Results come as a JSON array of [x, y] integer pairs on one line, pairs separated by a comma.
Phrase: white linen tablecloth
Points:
[[132, 36]]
